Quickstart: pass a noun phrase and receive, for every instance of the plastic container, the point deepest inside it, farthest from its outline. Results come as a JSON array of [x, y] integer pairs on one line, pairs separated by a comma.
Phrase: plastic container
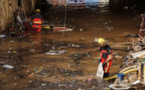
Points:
[[120, 76]]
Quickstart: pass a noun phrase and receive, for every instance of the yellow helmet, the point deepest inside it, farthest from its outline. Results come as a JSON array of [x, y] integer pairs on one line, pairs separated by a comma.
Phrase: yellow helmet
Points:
[[101, 41], [37, 11]]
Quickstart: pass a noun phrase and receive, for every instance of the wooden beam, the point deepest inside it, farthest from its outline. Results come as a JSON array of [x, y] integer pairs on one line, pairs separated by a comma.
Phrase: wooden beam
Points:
[[139, 73], [40, 69]]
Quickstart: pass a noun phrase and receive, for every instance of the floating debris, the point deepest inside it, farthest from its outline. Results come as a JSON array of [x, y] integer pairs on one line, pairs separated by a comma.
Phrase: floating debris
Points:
[[79, 56], [81, 29], [109, 28], [60, 29], [8, 66], [2, 36], [55, 52], [132, 35]]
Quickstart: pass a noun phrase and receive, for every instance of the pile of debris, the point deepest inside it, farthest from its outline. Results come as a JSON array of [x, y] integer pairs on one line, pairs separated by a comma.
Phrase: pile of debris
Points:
[[132, 70]]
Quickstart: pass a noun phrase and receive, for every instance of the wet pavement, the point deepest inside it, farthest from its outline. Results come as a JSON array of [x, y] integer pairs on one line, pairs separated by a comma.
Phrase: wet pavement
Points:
[[75, 68]]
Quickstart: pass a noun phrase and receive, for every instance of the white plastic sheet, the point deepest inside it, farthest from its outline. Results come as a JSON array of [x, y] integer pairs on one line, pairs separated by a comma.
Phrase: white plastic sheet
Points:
[[100, 71]]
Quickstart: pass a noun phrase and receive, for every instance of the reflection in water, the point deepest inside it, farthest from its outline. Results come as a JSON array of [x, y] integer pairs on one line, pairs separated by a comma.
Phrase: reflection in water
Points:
[[99, 4], [37, 39], [98, 7]]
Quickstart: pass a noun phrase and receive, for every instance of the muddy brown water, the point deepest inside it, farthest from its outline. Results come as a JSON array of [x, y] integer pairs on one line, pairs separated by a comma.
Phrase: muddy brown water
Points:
[[27, 54]]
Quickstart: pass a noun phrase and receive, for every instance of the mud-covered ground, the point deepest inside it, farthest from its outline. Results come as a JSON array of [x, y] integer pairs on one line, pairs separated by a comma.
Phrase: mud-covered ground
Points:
[[76, 68]]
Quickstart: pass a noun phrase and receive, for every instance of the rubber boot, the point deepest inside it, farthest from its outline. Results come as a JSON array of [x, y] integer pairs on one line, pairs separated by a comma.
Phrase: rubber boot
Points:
[[106, 75]]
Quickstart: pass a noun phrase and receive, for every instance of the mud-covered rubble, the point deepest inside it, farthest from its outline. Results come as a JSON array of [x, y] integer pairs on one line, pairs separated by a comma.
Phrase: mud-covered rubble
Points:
[[134, 61]]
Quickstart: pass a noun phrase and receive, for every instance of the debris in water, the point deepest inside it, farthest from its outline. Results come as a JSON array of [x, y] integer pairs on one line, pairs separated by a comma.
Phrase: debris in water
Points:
[[79, 56], [109, 28], [9, 51], [81, 29], [32, 50], [60, 29], [82, 38], [43, 84], [12, 41], [95, 40], [23, 66], [55, 52], [105, 23], [68, 29], [2, 36], [15, 83], [132, 35], [8, 66], [1, 63]]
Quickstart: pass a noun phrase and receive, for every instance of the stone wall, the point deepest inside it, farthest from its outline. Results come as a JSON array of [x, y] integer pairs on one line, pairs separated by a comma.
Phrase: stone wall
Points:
[[8, 7]]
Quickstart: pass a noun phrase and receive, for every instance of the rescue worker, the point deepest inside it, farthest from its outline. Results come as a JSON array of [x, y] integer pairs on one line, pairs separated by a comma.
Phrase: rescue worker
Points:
[[37, 21], [105, 56]]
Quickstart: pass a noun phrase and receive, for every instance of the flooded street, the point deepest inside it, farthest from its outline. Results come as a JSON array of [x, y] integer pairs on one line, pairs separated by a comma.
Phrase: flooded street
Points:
[[65, 60]]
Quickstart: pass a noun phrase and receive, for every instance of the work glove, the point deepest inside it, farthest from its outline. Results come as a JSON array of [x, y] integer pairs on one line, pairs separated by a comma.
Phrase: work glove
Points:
[[103, 64], [99, 61]]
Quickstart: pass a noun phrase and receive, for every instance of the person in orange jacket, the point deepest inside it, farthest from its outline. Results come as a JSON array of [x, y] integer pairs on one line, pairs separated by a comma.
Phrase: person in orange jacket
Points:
[[105, 56], [37, 21]]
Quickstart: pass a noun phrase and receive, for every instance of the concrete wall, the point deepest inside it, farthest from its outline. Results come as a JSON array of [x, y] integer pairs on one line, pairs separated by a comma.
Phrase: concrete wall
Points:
[[7, 8]]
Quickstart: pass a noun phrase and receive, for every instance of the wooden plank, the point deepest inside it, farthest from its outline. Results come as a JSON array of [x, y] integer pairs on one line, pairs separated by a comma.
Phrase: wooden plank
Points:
[[139, 73], [40, 69]]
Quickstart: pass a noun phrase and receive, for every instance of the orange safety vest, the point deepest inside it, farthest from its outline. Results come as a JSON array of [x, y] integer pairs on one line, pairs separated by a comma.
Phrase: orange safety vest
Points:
[[37, 21], [104, 56]]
